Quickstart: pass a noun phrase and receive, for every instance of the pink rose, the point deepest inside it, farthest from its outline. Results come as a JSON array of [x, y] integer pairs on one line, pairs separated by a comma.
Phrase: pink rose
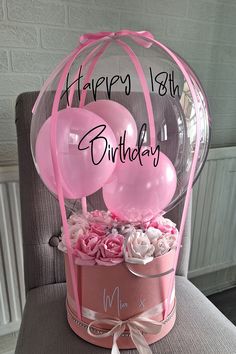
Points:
[[101, 216], [110, 250], [98, 228], [87, 248], [164, 225]]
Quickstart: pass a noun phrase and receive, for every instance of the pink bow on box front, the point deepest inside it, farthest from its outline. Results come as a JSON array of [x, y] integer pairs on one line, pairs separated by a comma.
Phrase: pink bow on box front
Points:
[[135, 327], [142, 38]]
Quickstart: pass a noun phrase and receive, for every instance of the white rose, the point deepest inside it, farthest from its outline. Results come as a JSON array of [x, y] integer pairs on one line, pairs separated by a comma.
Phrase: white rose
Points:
[[139, 248], [61, 246], [153, 233], [164, 221], [75, 231], [164, 244], [78, 220], [161, 246], [172, 240]]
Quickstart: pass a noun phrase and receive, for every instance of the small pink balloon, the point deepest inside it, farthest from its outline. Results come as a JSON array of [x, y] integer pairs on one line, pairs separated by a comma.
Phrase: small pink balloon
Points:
[[138, 193], [117, 117], [82, 173]]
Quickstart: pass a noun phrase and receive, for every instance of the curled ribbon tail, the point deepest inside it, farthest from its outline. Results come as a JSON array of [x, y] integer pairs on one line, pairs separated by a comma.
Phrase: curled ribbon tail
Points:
[[116, 335], [139, 340]]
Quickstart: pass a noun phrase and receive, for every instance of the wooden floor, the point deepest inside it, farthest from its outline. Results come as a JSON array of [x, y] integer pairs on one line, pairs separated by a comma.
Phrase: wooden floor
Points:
[[226, 303]]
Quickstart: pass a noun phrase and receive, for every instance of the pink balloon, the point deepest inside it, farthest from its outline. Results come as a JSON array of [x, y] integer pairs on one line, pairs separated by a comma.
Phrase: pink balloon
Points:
[[82, 174], [138, 193], [117, 117]]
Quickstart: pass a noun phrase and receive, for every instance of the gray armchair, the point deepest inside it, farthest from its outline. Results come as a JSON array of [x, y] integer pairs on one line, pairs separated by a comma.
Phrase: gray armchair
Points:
[[200, 328]]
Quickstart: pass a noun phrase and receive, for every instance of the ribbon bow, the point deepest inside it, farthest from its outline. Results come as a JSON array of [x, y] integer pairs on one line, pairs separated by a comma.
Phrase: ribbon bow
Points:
[[141, 37], [137, 326]]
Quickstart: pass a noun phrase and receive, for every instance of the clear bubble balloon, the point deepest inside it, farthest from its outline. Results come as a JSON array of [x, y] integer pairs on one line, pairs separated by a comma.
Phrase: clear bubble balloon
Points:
[[126, 82]]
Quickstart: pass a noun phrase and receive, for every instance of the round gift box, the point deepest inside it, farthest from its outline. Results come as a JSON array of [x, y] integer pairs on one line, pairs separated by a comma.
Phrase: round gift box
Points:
[[115, 292]]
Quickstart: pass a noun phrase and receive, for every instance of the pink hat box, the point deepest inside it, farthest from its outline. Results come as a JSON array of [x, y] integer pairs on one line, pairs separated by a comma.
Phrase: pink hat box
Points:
[[120, 293]]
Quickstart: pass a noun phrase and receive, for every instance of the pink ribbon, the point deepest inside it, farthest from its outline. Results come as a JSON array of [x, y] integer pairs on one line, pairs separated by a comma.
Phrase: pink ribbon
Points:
[[137, 325], [140, 37]]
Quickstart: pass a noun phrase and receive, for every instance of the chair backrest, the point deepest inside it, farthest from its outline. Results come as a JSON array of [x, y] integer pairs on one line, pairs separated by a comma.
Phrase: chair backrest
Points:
[[43, 263]]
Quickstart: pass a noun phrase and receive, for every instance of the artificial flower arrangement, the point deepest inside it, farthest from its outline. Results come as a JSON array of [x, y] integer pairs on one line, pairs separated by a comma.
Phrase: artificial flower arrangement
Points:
[[100, 238], [123, 270]]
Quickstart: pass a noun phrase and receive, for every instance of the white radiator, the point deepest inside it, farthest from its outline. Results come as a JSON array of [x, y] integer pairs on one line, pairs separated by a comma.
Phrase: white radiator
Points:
[[213, 230], [214, 214], [12, 297]]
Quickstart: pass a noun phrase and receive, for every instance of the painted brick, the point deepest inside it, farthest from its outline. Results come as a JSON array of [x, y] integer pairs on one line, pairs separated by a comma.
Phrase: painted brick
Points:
[[154, 24], [231, 2], [36, 12], [1, 10], [217, 106], [177, 45], [59, 39], [35, 62], [223, 137], [208, 11], [7, 130], [222, 89], [18, 36], [200, 31], [83, 2], [8, 153], [14, 84], [6, 109], [214, 53], [167, 7], [3, 61], [135, 5], [206, 52], [223, 54], [224, 121], [215, 71], [94, 18]]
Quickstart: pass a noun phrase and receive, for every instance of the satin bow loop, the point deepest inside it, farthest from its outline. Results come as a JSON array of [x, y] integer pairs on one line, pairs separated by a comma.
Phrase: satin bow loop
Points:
[[142, 38], [137, 326]]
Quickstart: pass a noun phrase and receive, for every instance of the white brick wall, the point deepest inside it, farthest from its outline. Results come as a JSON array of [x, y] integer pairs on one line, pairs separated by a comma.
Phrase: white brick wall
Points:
[[36, 34]]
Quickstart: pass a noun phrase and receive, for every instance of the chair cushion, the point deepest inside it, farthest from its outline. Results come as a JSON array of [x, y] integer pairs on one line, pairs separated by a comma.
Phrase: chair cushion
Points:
[[200, 327]]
